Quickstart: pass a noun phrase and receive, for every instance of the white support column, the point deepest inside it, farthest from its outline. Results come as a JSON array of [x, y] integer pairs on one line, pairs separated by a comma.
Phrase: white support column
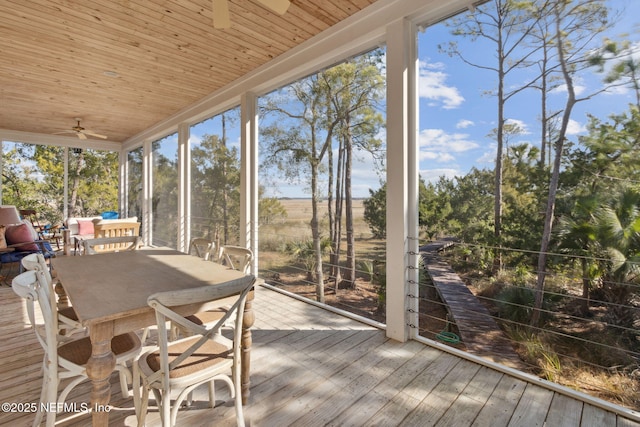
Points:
[[249, 176], [65, 191], [123, 189], [184, 188], [147, 191], [402, 180]]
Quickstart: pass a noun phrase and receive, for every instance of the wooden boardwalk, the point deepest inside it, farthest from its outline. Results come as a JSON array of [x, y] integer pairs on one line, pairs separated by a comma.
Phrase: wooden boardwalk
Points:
[[478, 331], [311, 367]]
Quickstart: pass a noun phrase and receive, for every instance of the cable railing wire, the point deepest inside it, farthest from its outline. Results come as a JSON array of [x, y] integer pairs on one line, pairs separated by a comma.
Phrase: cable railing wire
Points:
[[603, 341]]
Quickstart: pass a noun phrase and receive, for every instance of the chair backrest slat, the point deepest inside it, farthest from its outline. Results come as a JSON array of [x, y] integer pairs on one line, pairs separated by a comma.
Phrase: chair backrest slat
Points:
[[201, 247], [235, 257], [111, 244]]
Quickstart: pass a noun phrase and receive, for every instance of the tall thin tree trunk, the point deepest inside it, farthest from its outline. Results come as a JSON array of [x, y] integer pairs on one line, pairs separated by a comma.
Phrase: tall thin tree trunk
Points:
[[350, 268], [555, 177], [544, 119], [315, 233], [331, 213], [337, 237], [497, 226], [225, 195], [75, 185]]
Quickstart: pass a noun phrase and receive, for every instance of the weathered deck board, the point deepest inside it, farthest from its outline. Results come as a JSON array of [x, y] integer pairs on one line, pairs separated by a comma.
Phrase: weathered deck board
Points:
[[311, 367], [478, 331]]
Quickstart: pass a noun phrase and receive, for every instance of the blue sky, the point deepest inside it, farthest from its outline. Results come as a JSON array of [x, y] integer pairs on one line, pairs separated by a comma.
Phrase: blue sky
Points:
[[456, 115]]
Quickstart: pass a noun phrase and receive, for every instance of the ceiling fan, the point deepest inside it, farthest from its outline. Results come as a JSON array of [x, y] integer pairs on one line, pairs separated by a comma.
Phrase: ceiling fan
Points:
[[221, 10], [81, 132]]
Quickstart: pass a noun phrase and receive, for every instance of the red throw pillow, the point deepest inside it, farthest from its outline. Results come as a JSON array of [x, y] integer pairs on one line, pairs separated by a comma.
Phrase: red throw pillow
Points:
[[15, 234], [85, 227]]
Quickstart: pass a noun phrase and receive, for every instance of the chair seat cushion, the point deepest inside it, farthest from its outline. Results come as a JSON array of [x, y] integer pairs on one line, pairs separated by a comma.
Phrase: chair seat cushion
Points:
[[79, 351], [208, 355]]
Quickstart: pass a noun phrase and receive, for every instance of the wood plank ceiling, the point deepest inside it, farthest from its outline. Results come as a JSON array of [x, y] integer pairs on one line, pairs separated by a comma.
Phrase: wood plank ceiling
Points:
[[124, 65]]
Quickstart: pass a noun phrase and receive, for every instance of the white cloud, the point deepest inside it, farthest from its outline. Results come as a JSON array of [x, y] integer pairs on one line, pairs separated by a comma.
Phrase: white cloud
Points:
[[575, 128], [464, 123], [431, 85], [439, 157], [522, 126], [578, 88], [488, 157], [432, 175], [439, 140], [438, 146]]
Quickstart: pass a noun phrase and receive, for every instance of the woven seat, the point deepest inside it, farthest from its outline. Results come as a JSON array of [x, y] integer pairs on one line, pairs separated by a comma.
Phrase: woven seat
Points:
[[65, 357], [202, 358]]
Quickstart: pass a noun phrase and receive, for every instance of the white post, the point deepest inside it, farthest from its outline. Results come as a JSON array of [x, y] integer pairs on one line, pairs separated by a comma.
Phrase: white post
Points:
[[402, 179], [65, 191], [123, 188], [147, 191], [184, 188], [249, 176]]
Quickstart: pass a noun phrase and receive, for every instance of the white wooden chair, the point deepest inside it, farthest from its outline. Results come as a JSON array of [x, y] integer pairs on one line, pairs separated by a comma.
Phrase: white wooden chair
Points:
[[235, 257], [68, 323], [203, 357], [65, 357], [202, 248]]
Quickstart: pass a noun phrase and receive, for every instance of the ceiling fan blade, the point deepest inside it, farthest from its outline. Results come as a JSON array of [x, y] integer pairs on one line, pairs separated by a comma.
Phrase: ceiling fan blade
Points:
[[221, 17], [92, 133], [278, 6], [82, 135], [64, 131]]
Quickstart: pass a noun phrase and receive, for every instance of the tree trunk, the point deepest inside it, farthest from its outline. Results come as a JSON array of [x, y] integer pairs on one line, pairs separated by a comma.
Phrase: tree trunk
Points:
[[555, 177], [544, 119], [315, 232], [350, 268], [225, 194], [75, 185], [497, 226], [336, 238]]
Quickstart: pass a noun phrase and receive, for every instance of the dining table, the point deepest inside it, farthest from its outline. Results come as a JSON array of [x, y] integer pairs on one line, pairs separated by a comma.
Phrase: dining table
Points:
[[109, 295]]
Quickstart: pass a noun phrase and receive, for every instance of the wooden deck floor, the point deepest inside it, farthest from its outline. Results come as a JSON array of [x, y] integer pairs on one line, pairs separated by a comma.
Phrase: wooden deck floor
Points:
[[311, 367]]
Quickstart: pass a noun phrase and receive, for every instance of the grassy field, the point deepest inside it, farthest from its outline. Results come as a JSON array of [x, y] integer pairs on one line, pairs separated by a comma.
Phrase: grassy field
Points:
[[296, 225], [281, 269]]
